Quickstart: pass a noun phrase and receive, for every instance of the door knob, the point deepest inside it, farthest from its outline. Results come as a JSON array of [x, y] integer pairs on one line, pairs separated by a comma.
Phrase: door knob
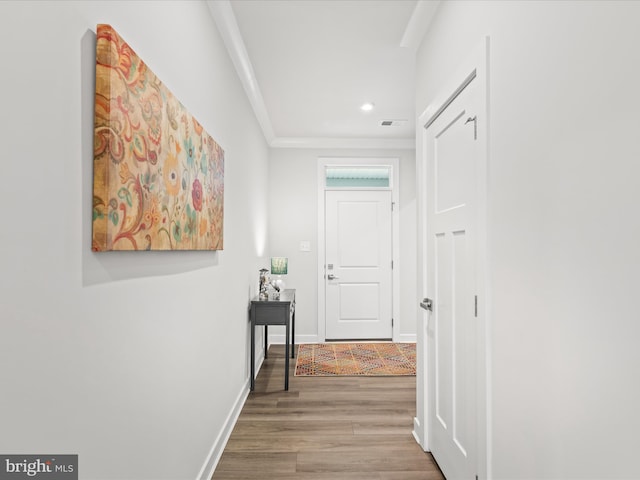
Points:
[[427, 304], [331, 276]]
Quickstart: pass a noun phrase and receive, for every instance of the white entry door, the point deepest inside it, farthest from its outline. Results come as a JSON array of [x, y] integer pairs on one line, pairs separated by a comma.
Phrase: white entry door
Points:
[[451, 156], [358, 255]]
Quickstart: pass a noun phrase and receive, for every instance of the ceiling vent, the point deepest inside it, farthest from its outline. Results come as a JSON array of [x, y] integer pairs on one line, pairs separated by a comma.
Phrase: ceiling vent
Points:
[[393, 123]]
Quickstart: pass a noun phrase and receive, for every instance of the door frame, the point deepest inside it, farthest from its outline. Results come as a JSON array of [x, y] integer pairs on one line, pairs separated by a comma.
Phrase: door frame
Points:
[[394, 163], [475, 68]]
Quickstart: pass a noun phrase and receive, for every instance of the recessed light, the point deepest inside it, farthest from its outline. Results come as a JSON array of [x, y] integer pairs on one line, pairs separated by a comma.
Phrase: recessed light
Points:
[[367, 107]]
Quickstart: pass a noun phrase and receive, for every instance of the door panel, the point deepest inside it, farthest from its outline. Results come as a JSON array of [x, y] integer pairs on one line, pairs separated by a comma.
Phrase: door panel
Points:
[[359, 301], [442, 330], [452, 176], [358, 224], [358, 250], [451, 149]]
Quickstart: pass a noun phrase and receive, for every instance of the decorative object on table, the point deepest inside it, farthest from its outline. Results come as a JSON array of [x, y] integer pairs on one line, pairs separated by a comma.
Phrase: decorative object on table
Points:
[[158, 181], [264, 285], [356, 359], [274, 290], [279, 266]]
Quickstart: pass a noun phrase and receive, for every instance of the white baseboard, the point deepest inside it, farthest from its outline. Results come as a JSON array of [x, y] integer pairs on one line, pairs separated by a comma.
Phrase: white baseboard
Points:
[[278, 339], [206, 472], [417, 432], [407, 338]]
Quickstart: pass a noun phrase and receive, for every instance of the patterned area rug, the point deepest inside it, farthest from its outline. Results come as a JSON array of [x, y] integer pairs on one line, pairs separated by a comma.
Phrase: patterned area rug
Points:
[[356, 359]]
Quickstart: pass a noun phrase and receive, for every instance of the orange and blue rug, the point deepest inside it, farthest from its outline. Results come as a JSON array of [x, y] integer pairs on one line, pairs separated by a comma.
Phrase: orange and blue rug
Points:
[[356, 359]]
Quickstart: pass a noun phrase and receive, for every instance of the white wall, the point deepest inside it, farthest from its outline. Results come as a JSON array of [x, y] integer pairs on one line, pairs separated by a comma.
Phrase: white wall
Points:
[[131, 360], [563, 228], [293, 200]]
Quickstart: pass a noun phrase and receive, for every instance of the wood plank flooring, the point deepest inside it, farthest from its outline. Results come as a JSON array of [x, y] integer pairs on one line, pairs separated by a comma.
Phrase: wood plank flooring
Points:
[[338, 428]]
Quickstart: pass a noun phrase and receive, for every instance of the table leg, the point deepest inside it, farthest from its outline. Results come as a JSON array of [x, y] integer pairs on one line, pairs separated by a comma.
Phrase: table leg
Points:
[[266, 340], [253, 354], [286, 358], [293, 334]]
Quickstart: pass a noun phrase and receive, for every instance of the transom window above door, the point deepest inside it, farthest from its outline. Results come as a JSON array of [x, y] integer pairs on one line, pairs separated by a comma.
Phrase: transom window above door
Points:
[[355, 176]]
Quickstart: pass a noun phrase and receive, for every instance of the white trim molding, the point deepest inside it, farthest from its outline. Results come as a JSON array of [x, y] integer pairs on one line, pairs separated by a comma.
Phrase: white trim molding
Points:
[[346, 143], [222, 14], [419, 24], [278, 338], [394, 162], [209, 466], [475, 68], [417, 431], [407, 338], [225, 20]]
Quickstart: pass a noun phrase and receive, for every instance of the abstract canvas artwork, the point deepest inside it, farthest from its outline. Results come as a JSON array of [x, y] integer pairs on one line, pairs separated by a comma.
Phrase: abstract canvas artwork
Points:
[[158, 176]]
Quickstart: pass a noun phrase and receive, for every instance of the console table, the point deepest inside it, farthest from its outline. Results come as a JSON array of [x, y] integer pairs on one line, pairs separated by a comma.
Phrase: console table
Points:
[[274, 312]]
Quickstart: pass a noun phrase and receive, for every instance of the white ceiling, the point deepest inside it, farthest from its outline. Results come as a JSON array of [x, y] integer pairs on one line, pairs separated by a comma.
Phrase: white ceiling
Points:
[[308, 66]]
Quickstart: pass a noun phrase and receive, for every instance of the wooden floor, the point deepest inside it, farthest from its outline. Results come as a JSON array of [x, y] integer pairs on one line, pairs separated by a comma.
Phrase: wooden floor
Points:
[[338, 428]]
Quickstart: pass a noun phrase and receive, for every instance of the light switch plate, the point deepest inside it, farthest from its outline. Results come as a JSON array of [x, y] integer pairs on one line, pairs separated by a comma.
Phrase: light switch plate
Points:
[[305, 246]]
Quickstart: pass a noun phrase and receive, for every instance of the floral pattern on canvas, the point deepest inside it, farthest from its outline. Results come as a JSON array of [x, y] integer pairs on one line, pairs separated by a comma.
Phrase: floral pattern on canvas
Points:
[[158, 175]]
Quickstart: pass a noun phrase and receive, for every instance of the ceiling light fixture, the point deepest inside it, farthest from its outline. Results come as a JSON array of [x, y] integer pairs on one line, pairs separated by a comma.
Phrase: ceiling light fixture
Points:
[[367, 107]]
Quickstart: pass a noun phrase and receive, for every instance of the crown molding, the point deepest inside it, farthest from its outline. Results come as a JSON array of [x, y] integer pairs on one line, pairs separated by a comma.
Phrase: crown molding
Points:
[[344, 143], [419, 23], [222, 14], [225, 20]]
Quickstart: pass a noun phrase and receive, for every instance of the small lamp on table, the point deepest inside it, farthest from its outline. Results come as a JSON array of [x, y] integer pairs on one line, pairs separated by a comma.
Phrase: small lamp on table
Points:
[[279, 267]]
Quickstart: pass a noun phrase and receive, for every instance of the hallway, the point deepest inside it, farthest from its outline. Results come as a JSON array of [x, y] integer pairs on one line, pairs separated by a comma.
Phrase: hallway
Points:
[[326, 428]]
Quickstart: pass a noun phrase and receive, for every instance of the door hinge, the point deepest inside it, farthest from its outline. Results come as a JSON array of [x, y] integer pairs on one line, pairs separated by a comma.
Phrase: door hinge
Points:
[[392, 322], [476, 477], [392, 205], [391, 264], [476, 309]]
